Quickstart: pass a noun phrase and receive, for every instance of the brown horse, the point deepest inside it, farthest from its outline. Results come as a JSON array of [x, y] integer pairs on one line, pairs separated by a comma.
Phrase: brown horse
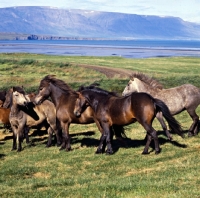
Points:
[[184, 97], [4, 116], [64, 99], [24, 115], [4, 111], [110, 109]]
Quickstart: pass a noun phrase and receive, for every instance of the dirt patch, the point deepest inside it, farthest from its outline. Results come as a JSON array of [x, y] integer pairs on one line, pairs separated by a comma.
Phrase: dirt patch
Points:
[[109, 72]]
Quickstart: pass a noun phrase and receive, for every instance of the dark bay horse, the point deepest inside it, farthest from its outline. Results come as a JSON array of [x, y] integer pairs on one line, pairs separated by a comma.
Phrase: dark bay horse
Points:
[[184, 97], [64, 99], [110, 110], [24, 115]]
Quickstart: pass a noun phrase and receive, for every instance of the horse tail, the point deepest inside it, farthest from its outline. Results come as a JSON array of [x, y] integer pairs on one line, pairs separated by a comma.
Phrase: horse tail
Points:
[[173, 123]]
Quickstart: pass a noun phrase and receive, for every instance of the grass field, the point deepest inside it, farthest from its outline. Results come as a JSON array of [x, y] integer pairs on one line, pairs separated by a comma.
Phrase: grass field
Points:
[[47, 172]]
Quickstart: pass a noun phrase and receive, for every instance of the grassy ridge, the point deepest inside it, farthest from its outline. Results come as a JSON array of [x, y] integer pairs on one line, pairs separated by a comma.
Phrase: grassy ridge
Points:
[[41, 172]]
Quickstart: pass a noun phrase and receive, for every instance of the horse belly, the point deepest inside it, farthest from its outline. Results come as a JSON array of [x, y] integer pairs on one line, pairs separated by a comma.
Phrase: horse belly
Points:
[[122, 117], [84, 119]]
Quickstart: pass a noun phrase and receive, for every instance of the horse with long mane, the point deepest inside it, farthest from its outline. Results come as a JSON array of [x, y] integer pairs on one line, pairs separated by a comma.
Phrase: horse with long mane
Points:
[[24, 115], [110, 110], [64, 99], [184, 97]]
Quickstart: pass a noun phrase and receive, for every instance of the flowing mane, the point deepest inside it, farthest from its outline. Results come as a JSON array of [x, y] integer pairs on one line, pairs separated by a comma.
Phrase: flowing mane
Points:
[[57, 82], [146, 79], [94, 88]]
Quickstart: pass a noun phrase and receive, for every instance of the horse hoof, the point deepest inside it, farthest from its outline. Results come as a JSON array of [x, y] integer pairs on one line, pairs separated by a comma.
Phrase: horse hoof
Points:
[[170, 138], [109, 152], [68, 149], [157, 152], [190, 134], [58, 144], [61, 148], [98, 151], [145, 153]]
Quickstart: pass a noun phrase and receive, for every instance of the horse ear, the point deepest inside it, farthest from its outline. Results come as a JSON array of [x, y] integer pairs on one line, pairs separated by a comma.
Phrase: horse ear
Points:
[[14, 89]]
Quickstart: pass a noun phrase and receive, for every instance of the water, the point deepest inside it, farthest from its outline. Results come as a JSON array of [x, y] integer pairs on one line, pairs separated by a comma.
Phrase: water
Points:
[[122, 48]]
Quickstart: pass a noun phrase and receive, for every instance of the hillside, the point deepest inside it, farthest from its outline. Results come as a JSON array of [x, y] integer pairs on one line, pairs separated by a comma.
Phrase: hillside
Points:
[[95, 24]]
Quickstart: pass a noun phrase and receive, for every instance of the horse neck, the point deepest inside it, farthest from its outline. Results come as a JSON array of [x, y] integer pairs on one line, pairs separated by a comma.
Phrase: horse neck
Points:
[[96, 101], [16, 110], [56, 93], [143, 87]]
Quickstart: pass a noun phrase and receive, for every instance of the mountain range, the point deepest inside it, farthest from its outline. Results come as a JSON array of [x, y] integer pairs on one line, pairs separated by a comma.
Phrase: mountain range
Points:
[[94, 24]]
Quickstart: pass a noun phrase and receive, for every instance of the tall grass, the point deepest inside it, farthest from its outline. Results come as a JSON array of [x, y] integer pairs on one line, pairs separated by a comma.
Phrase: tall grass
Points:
[[47, 172]]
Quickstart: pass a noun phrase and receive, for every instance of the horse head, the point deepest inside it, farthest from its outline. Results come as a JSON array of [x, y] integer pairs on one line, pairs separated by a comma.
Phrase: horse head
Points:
[[132, 86], [8, 98], [19, 97], [80, 105], [43, 92]]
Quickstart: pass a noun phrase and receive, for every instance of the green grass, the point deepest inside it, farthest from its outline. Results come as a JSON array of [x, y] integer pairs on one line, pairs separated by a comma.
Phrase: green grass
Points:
[[47, 172]]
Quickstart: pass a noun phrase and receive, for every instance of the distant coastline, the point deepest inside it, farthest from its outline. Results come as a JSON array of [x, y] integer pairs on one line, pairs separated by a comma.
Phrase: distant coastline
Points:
[[120, 48], [18, 36]]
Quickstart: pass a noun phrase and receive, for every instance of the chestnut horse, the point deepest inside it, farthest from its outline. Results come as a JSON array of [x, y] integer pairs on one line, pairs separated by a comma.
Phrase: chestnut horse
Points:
[[4, 116], [64, 99], [24, 115], [110, 109]]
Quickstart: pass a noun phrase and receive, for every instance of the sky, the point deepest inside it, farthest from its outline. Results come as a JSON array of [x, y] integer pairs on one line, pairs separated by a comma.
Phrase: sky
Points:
[[188, 10]]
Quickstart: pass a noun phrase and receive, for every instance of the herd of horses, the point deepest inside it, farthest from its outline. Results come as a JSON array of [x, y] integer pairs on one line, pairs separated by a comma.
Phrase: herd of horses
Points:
[[56, 106]]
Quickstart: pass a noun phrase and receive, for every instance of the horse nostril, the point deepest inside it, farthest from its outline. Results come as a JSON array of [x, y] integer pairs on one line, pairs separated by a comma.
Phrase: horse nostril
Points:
[[77, 114]]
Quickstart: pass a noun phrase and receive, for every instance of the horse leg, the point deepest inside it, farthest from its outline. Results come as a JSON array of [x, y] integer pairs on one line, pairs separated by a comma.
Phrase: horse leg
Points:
[[102, 145], [106, 136], [159, 116], [50, 134], [14, 130], [192, 130], [109, 137], [20, 138], [151, 132], [14, 147], [26, 131], [66, 138], [146, 148], [55, 126]]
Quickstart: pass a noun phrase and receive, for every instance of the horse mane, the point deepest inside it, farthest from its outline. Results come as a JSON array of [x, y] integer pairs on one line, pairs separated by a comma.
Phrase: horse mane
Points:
[[19, 89], [57, 82], [94, 87], [146, 79]]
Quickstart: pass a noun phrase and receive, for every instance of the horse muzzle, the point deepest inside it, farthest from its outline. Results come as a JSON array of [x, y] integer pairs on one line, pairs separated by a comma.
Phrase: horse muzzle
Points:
[[77, 113]]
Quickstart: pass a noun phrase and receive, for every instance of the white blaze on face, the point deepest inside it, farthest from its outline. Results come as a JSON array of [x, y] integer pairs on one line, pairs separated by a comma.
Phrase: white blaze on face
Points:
[[19, 98]]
